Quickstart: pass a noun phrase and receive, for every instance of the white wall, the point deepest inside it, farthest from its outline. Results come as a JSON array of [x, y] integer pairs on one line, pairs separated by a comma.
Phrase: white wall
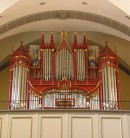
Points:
[[65, 124]]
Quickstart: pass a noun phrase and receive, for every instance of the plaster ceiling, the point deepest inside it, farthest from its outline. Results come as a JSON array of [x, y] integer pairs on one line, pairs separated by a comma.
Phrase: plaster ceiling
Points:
[[103, 20]]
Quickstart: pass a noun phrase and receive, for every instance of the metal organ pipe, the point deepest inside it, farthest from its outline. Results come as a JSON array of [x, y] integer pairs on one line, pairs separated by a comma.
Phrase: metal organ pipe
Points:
[[67, 65], [13, 87], [115, 86], [45, 61], [19, 83], [77, 63], [48, 64], [70, 67], [103, 82], [64, 64], [84, 73], [80, 64], [106, 84], [60, 71], [25, 84], [112, 84], [22, 84], [44, 64], [21, 93], [109, 86], [16, 85]]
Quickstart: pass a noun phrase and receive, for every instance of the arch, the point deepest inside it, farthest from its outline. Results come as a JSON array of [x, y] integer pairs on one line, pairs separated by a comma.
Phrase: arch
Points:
[[63, 15]]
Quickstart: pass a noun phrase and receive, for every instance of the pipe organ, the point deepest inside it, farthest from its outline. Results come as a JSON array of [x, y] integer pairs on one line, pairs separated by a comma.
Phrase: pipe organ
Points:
[[75, 77]]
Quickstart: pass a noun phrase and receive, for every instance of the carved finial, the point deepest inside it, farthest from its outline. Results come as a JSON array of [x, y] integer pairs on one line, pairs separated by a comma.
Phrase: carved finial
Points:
[[84, 38], [64, 34], [115, 49], [51, 36], [29, 50], [12, 50], [106, 43], [98, 51], [21, 42], [52, 41], [42, 40], [42, 36], [75, 37], [75, 44]]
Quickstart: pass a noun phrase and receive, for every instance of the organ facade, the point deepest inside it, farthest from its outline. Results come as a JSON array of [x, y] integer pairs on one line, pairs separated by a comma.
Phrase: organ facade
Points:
[[58, 77]]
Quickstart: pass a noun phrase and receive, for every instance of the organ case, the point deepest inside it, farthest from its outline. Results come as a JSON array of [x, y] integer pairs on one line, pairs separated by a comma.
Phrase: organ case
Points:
[[75, 77]]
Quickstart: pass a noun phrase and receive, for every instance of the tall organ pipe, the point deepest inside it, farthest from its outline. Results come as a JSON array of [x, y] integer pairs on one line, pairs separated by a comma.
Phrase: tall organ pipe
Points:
[[25, 84], [115, 85], [13, 85], [103, 82], [112, 84], [16, 84], [109, 84], [19, 82], [106, 84], [22, 83]]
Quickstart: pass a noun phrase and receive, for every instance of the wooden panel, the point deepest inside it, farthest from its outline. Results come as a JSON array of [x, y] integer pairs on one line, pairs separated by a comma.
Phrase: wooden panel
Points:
[[51, 127], [81, 127], [21, 127], [111, 127], [0, 127], [128, 125]]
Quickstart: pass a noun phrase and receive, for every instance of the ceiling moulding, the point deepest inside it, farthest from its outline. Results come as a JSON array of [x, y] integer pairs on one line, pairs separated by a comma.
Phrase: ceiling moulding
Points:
[[63, 15]]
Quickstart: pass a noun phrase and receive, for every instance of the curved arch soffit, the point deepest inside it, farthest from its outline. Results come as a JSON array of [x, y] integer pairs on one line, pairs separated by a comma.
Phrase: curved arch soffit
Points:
[[63, 15]]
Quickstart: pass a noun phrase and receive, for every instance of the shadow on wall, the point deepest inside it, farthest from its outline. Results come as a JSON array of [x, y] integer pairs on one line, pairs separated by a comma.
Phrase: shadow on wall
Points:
[[4, 87], [125, 90]]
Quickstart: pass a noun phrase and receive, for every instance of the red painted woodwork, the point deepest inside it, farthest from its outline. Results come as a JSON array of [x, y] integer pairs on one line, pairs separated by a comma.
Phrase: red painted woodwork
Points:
[[89, 86]]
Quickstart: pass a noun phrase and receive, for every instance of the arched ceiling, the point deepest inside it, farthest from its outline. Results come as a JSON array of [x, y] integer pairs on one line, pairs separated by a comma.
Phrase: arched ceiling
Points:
[[103, 20]]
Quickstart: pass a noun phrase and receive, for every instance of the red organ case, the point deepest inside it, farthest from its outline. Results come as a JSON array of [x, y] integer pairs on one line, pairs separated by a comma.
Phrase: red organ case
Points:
[[72, 77]]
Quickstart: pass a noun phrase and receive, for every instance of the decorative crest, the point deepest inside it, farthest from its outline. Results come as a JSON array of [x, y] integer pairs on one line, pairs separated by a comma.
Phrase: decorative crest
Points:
[[63, 34]]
